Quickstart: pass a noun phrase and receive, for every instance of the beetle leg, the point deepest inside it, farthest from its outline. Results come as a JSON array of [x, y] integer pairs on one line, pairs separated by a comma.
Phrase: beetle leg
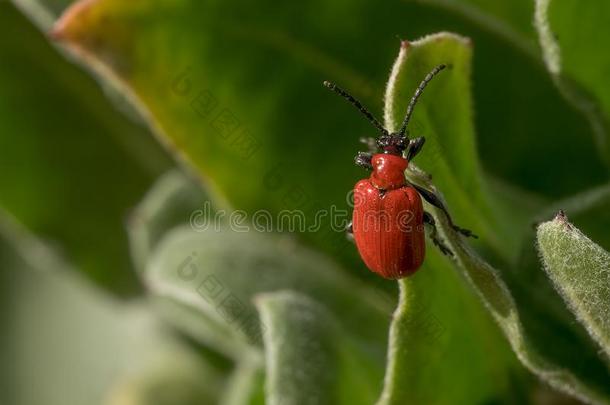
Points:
[[429, 219], [349, 231], [371, 143], [414, 147], [363, 159], [433, 199]]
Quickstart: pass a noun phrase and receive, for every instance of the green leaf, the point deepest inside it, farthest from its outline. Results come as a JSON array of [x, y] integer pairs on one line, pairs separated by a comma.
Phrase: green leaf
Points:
[[242, 100], [439, 322], [179, 253], [310, 359], [439, 326], [64, 341], [580, 271], [486, 281], [494, 293], [201, 271], [245, 385], [445, 111], [210, 297], [572, 56], [170, 203], [42, 12], [569, 51], [168, 384], [590, 212], [72, 165], [542, 310]]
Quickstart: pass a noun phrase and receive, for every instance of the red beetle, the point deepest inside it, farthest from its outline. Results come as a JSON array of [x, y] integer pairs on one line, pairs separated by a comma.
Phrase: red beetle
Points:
[[388, 220]]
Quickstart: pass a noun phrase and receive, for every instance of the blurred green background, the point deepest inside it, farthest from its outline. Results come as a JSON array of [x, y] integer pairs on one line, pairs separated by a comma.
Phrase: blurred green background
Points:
[[137, 113]]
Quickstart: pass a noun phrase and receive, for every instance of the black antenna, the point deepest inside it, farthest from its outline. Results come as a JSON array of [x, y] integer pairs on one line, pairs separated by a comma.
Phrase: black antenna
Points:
[[418, 91], [357, 104]]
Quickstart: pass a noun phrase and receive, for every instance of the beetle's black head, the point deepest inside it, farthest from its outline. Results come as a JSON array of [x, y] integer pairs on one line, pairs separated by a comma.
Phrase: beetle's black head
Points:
[[393, 144]]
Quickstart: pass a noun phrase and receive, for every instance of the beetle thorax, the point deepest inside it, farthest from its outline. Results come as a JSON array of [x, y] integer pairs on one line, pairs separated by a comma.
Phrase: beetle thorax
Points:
[[388, 171]]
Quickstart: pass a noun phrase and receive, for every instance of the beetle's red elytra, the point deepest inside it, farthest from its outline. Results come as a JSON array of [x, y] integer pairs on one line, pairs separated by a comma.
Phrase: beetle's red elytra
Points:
[[388, 219]]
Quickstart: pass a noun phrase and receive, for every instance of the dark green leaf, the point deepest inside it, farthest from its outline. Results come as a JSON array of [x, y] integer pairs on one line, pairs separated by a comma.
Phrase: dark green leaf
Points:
[[310, 359], [71, 166]]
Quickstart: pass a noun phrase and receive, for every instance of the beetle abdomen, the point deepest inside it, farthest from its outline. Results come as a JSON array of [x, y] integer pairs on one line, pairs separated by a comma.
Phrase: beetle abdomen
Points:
[[388, 229]]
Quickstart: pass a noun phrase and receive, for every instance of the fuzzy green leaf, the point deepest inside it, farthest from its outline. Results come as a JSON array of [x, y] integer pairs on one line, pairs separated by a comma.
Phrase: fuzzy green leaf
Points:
[[310, 359], [66, 342], [201, 271], [542, 309], [179, 254], [169, 203], [439, 322], [580, 271], [439, 326], [445, 117], [485, 280], [42, 12], [183, 383], [246, 384]]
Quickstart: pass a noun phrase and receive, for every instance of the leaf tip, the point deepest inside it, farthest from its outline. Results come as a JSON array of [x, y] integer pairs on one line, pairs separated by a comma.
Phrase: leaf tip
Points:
[[56, 33], [562, 219], [559, 222], [561, 216], [61, 30]]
